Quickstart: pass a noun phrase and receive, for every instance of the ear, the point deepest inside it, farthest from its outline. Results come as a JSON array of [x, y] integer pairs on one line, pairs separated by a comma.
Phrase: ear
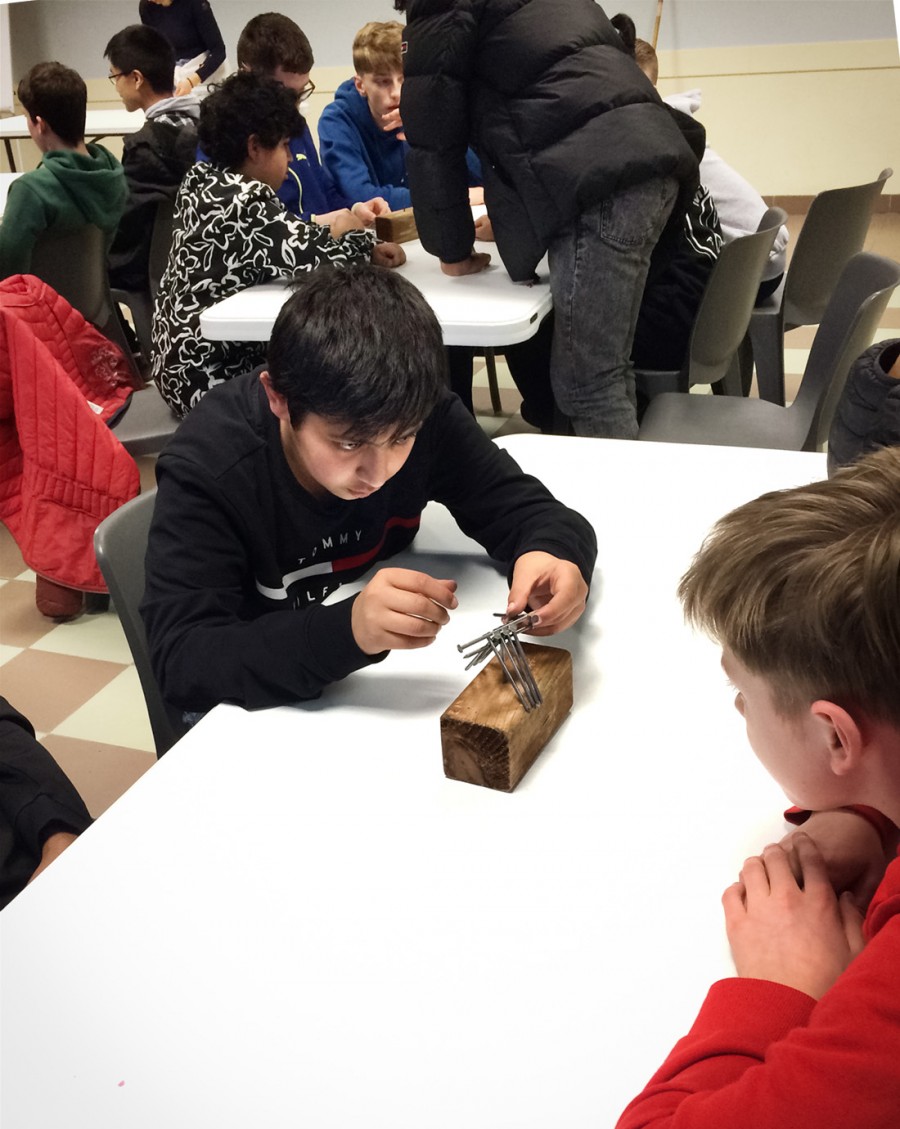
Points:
[[360, 89], [139, 79], [844, 739], [277, 403], [253, 148]]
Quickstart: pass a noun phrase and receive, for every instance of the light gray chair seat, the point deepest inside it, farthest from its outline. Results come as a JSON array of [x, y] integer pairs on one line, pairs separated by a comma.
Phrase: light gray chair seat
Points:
[[847, 328], [147, 424]]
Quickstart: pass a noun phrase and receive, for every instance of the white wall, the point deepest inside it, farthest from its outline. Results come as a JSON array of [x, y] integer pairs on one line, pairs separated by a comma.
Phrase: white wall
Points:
[[76, 31]]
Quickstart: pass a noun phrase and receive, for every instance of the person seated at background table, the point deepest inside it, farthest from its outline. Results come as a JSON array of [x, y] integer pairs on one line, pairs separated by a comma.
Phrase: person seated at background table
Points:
[[274, 46], [230, 232], [800, 587], [141, 68], [681, 262], [283, 485], [41, 814], [74, 185], [191, 28], [360, 132], [581, 161], [738, 205]]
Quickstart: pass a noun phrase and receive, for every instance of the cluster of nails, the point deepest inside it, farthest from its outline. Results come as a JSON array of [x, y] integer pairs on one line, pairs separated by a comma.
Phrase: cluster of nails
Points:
[[503, 641]]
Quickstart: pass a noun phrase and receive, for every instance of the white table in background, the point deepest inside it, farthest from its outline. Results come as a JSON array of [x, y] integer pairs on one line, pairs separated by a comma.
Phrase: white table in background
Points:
[[293, 919], [98, 124], [6, 179], [486, 309]]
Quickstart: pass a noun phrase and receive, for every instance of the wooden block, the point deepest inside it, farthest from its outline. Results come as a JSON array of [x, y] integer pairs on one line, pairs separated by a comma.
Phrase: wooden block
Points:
[[396, 227], [487, 737]]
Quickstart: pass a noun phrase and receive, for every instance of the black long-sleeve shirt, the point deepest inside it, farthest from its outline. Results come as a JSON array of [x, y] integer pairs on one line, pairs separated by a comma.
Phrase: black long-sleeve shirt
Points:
[[240, 555], [36, 799], [191, 28]]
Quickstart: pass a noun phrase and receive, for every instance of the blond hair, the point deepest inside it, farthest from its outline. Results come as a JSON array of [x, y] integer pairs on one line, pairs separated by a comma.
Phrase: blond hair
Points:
[[376, 48], [803, 586], [646, 58]]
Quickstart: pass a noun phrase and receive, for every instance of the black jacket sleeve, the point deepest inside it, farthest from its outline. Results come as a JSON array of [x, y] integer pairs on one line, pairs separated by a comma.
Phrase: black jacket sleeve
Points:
[[495, 502], [209, 32], [440, 49], [36, 798]]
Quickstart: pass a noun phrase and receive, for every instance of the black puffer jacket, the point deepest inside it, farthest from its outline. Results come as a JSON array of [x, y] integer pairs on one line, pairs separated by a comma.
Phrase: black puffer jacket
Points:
[[868, 413], [559, 114]]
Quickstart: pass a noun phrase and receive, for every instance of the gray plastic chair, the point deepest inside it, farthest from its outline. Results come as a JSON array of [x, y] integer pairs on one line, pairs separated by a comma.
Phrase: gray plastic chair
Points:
[[73, 262], [722, 317], [120, 543], [140, 302], [847, 328], [147, 424], [834, 230]]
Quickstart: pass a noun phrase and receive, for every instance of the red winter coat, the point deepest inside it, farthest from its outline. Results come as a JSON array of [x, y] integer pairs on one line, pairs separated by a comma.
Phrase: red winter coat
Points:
[[62, 471]]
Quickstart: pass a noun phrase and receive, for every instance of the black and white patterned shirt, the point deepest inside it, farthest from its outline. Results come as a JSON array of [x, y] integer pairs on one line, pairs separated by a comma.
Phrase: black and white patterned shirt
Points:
[[229, 233]]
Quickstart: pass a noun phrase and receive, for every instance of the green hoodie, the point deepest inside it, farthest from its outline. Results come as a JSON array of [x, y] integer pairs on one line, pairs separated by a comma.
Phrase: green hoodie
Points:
[[66, 190]]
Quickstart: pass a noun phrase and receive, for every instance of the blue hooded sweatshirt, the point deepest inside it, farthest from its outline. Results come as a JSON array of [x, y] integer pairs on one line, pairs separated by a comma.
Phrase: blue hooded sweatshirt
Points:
[[363, 160]]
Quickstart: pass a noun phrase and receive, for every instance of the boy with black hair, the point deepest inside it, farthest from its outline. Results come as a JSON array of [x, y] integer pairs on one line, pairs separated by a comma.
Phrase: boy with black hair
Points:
[[74, 185], [273, 45], [282, 485], [802, 590], [141, 68]]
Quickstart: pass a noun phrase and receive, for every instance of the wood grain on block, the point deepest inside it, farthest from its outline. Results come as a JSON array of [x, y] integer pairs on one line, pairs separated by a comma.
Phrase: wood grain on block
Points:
[[488, 738], [396, 227]]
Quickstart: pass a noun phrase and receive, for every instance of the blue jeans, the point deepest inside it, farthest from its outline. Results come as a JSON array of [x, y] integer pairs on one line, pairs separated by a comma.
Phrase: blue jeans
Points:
[[598, 267]]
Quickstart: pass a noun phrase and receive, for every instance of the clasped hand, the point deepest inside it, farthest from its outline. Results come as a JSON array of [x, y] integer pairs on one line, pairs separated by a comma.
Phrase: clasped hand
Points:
[[793, 930]]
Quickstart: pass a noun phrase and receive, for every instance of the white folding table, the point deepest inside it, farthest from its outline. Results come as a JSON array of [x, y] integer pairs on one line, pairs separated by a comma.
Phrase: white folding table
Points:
[[293, 919], [98, 124], [486, 309]]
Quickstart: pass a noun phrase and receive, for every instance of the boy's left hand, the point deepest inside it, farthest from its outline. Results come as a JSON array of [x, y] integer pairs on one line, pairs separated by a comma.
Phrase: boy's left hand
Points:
[[388, 255], [554, 589], [802, 936]]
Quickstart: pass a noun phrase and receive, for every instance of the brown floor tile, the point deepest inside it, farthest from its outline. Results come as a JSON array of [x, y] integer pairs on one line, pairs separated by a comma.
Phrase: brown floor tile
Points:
[[101, 773], [47, 687], [21, 624], [11, 563]]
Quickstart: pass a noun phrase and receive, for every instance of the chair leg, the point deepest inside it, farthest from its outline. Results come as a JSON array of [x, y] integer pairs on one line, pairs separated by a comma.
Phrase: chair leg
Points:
[[490, 364], [767, 339]]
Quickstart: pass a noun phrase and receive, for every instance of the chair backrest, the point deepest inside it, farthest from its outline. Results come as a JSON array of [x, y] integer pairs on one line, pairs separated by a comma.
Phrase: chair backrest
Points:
[[848, 327], [160, 242], [727, 303], [121, 544], [834, 230], [73, 262]]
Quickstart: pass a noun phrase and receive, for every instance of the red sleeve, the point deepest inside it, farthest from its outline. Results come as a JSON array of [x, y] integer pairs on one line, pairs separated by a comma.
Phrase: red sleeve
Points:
[[764, 1056]]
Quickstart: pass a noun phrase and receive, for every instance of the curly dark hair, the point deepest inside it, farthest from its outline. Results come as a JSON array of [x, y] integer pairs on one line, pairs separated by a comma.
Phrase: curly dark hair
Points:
[[244, 105]]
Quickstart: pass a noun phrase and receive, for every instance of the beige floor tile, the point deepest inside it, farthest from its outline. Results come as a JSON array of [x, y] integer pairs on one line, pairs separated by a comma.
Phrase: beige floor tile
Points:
[[21, 624], [101, 773], [90, 637], [11, 563], [7, 653], [116, 714], [47, 688]]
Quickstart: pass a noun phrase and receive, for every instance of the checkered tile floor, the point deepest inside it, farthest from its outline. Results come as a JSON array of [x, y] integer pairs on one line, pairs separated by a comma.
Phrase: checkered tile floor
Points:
[[76, 681]]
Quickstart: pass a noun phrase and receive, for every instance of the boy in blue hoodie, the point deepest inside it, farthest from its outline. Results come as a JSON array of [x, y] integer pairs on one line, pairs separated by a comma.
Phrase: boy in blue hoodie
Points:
[[75, 184], [360, 132]]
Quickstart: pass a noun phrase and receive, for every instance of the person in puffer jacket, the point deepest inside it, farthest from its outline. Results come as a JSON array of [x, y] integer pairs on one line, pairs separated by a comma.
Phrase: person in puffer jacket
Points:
[[580, 159], [868, 413]]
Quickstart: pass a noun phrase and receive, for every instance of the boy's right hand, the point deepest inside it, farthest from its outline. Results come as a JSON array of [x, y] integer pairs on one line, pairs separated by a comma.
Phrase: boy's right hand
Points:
[[851, 848], [476, 262], [340, 222], [400, 609]]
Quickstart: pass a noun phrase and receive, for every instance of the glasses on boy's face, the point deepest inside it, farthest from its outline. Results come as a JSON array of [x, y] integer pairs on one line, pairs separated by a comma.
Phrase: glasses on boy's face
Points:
[[116, 75], [306, 91]]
